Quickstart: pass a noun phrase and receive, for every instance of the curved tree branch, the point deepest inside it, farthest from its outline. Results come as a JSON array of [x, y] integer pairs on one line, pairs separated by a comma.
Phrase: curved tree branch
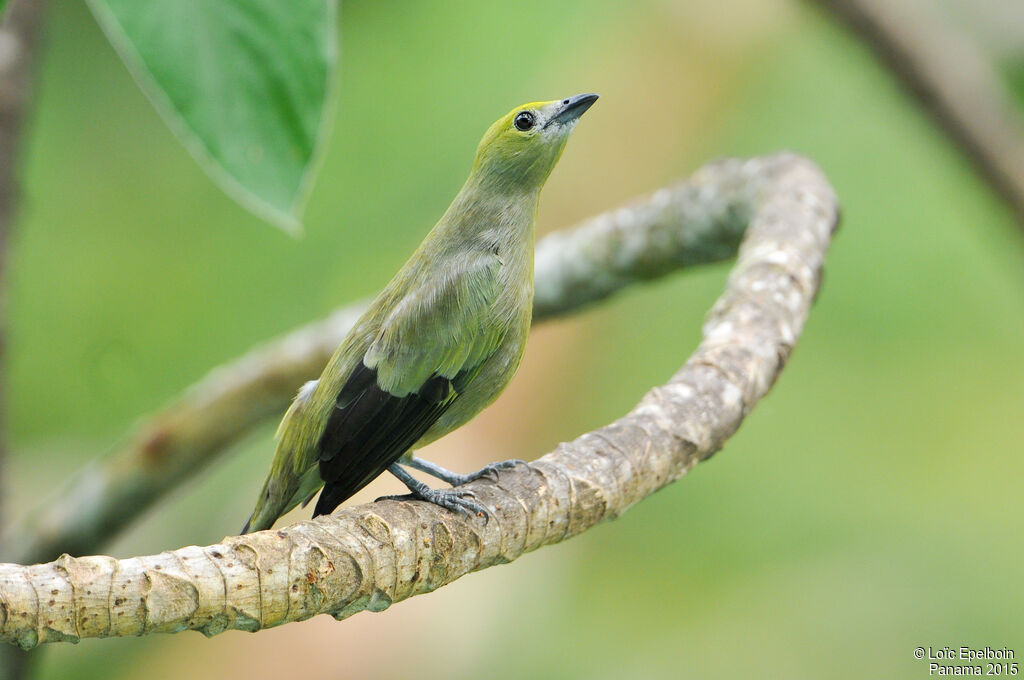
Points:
[[952, 80], [370, 556], [687, 224]]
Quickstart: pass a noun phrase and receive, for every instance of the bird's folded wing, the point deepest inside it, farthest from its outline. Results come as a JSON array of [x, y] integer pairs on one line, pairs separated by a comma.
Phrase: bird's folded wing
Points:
[[429, 346]]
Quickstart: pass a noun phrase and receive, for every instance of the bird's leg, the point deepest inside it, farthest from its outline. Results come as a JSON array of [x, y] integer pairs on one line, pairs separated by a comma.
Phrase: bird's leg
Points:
[[454, 478], [456, 501]]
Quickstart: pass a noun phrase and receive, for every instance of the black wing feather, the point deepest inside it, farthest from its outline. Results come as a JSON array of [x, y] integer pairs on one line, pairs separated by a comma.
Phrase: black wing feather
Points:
[[369, 429]]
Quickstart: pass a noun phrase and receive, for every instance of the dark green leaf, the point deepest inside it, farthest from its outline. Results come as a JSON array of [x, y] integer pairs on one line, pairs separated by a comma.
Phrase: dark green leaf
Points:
[[243, 83]]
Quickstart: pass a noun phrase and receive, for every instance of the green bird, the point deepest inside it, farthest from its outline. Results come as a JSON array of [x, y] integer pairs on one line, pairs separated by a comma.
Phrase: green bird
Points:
[[438, 344]]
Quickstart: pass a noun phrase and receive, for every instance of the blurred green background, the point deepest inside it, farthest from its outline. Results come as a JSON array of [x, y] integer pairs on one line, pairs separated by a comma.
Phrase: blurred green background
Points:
[[871, 504]]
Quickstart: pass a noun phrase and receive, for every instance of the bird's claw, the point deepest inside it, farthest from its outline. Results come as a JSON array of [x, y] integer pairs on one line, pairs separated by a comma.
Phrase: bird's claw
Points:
[[456, 500], [490, 470]]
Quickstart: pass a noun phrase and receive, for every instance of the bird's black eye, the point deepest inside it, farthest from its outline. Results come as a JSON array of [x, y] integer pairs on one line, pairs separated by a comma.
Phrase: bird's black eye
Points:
[[524, 121]]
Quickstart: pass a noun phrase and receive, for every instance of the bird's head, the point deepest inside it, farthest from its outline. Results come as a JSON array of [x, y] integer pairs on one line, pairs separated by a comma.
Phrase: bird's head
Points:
[[521, 148]]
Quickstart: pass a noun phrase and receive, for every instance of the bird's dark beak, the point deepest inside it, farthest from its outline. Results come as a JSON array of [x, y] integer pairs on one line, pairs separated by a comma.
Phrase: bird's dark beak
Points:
[[572, 108]]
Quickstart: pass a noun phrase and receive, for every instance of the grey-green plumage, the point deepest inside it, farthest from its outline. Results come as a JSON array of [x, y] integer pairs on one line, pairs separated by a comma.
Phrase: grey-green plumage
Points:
[[439, 343]]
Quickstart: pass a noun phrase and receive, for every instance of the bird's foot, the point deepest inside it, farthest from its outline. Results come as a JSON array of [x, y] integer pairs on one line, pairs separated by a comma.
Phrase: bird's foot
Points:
[[489, 470], [450, 499], [454, 478]]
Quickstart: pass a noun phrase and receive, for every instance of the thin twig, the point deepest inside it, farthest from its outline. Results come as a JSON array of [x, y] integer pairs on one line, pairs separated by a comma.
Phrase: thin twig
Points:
[[370, 556], [952, 80]]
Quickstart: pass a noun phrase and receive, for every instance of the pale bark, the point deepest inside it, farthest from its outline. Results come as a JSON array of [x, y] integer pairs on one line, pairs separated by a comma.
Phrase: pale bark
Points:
[[952, 80], [368, 557]]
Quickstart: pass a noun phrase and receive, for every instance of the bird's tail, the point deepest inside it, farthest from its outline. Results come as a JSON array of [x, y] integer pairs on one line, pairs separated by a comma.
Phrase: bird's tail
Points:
[[267, 510], [274, 502], [252, 524], [294, 474]]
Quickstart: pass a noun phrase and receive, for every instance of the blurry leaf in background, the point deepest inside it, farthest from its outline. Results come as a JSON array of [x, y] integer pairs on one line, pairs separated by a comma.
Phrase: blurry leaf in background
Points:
[[3, 3], [242, 83]]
